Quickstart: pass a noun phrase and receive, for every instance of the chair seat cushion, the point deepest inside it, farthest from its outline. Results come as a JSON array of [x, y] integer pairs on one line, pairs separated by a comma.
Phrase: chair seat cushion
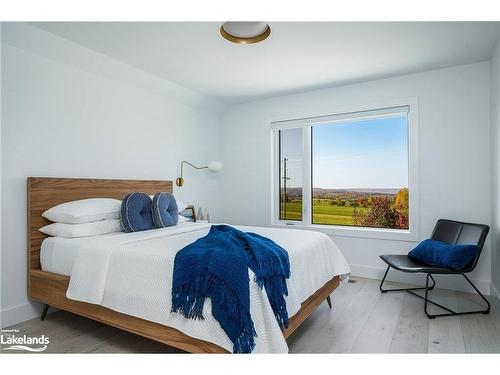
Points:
[[406, 264], [441, 254]]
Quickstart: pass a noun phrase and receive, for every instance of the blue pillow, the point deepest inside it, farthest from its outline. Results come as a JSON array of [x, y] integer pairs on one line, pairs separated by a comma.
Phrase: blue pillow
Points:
[[441, 254], [164, 210], [136, 212]]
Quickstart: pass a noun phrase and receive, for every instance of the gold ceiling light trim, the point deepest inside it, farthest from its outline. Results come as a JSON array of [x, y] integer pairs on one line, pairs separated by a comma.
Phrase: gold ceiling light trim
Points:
[[250, 40]]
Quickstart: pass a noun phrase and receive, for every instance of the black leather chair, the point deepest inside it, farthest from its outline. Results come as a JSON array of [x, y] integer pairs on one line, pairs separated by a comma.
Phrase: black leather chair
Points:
[[449, 231]]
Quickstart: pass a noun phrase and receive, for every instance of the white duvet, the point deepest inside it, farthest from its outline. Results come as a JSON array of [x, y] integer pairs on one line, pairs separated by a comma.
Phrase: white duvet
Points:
[[132, 273]]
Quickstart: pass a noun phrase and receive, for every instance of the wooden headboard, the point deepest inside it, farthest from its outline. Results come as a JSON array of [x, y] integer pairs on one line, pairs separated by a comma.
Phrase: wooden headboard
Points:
[[46, 192]]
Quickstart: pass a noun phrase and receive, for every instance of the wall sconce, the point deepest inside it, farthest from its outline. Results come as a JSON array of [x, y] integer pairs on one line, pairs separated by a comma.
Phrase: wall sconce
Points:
[[213, 166]]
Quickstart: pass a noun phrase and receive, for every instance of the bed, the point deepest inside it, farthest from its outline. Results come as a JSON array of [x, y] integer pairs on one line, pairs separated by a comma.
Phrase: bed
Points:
[[122, 280]]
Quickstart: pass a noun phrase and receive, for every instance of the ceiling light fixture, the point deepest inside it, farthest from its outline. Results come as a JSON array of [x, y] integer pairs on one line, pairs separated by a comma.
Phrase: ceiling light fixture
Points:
[[245, 32]]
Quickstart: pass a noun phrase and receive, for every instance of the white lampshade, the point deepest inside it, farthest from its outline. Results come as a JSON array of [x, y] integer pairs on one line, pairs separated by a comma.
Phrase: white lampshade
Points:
[[214, 166]]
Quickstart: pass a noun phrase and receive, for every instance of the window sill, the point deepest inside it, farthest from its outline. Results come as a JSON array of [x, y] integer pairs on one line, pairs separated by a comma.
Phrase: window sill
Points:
[[357, 232]]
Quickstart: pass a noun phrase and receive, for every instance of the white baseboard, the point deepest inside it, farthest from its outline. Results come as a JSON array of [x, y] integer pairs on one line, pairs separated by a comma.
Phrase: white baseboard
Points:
[[19, 313], [494, 291], [452, 282], [496, 294]]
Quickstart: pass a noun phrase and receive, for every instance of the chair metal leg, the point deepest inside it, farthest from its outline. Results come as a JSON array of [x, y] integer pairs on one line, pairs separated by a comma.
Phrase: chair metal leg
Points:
[[426, 294], [402, 289], [487, 310], [44, 311], [383, 279], [329, 301], [455, 313], [427, 301]]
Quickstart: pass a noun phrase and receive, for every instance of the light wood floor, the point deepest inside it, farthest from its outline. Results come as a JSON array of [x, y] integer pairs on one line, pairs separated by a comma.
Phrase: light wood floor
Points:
[[362, 321]]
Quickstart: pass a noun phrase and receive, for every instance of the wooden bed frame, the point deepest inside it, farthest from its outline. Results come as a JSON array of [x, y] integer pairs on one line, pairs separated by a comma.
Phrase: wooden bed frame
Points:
[[50, 288]]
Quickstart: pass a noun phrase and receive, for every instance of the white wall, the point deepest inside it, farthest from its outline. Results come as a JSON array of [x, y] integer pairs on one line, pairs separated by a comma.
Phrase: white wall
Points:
[[71, 112], [495, 157], [454, 155], [1, 59]]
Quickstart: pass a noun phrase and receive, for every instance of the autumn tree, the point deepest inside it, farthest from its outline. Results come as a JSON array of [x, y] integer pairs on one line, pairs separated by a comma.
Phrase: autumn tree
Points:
[[401, 200], [380, 215], [401, 206]]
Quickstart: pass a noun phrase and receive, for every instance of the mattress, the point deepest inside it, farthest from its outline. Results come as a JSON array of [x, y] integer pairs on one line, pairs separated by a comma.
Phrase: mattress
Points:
[[132, 273], [58, 254]]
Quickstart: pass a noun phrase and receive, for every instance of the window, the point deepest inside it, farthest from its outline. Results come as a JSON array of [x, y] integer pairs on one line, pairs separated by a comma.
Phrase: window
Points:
[[350, 170], [290, 142]]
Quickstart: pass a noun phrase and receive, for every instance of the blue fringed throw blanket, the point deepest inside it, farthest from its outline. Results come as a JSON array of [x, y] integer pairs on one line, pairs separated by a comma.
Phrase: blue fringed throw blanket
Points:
[[216, 267]]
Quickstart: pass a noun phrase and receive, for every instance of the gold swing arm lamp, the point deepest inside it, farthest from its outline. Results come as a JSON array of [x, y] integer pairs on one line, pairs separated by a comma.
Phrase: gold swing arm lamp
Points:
[[213, 166]]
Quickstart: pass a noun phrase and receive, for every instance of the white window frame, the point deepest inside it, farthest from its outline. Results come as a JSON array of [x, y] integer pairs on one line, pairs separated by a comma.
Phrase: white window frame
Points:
[[412, 234]]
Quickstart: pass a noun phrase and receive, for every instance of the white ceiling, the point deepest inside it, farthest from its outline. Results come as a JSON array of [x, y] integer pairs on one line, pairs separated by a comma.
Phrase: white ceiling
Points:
[[296, 57]]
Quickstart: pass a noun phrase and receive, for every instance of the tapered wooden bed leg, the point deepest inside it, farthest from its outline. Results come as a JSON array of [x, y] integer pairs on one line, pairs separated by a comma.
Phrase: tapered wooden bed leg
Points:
[[44, 311], [329, 300]]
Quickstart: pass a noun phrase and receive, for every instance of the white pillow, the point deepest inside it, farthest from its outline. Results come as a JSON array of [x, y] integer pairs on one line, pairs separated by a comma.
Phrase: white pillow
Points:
[[182, 219], [181, 206], [84, 211], [95, 228]]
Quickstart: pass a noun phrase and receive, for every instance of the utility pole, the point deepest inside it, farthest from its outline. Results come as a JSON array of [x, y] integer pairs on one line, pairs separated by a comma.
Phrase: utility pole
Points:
[[285, 179]]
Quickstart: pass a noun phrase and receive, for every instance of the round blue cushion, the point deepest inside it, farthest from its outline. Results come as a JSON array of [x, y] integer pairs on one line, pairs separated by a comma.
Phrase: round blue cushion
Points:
[[136, 212], [164, 210]]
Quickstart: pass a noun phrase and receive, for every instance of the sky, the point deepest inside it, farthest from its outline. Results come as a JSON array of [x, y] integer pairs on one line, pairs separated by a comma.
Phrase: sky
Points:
[[359, 154]]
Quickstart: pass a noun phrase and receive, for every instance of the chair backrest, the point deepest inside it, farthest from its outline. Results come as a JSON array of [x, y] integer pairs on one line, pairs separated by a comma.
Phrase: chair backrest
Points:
[[460, 233]]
